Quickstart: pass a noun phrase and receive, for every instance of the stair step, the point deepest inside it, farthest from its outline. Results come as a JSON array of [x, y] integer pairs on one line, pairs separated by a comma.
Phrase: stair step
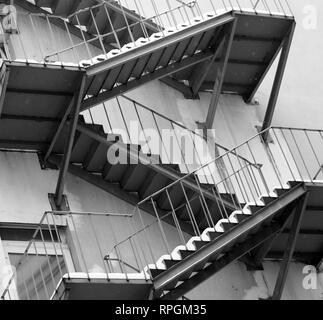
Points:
[[214, 235], [134, 177], [293, 184], [227, 226], [242, 217], [200, 244], [255, 208], [193, 207], [114, 173], [96, 158], [82, 145], [171, 263], [280, 192], [267, 200], [175, 194], [156, 272], [186, 253], [153, 183]]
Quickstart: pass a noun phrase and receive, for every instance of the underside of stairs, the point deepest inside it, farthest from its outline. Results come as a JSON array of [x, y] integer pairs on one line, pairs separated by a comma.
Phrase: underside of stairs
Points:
[[141, 176], [187, 266], [191, 58], [103, 19], [188, 57]]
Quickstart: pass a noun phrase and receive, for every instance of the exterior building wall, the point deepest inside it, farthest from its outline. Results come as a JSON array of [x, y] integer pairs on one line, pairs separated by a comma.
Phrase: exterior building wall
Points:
[[24, 187]]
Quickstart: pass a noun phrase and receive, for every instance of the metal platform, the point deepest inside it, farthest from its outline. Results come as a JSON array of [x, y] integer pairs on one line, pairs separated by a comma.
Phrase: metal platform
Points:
[[33, 101], [193, 56], [90, 287], [309, 245], [110, 18]]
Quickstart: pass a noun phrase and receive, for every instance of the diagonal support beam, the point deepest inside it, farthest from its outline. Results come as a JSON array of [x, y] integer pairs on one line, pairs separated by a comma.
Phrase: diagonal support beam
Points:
[[219, 79], [173, 83], [69, 144], [290, 247], [278, 80], [215, 248], [59, 129], [260, 252], [202, 71]]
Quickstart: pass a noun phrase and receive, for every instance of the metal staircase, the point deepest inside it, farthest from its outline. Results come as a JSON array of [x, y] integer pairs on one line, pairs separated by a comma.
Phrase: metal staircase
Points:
[[141, 174], [206, 214], [120, 50], [252, 226]]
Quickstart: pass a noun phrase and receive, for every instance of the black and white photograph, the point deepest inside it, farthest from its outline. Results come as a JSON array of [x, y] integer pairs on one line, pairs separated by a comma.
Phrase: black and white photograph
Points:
[[161, 154]]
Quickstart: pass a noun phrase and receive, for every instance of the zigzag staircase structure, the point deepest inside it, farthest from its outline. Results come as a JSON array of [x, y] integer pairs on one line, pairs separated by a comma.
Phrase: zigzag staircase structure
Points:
[[219, 215]]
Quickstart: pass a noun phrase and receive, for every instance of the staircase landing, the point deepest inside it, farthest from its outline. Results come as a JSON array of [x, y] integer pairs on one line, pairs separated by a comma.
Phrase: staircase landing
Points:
[[83, 286]]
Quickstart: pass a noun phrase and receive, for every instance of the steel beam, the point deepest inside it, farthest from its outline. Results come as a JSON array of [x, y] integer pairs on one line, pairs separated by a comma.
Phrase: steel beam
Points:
[[219, 79], [179, 86], [208, 252], [118, 192], [160, 44], [69, 145], [4, 77], [221, 263], [203, 70], [278, 80], [59, 129], [158, 74], [311, 258], [290, 247], [260, 253]]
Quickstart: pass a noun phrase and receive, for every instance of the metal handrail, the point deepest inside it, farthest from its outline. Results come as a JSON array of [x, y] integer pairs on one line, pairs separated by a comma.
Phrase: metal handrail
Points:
[[108, 258], [288, 158], [174, 14], [167, 214], [49, 224], [292, 156], [232, 151], [175, 124], [187, 129]]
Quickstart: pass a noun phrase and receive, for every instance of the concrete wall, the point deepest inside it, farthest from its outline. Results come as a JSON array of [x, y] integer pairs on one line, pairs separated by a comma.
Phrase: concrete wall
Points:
[[24, 186]]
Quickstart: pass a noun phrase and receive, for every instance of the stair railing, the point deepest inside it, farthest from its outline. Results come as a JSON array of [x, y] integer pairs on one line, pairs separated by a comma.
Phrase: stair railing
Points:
[[81, 40], [189, 206], [190, 149], [64, 243]]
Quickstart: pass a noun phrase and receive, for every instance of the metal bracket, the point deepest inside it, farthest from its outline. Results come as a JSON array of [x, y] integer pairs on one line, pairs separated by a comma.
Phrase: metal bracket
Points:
[[64, 205]]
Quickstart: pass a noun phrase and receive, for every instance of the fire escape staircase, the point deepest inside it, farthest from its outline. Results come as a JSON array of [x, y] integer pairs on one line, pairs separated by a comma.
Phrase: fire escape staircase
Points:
[[236, 46]]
